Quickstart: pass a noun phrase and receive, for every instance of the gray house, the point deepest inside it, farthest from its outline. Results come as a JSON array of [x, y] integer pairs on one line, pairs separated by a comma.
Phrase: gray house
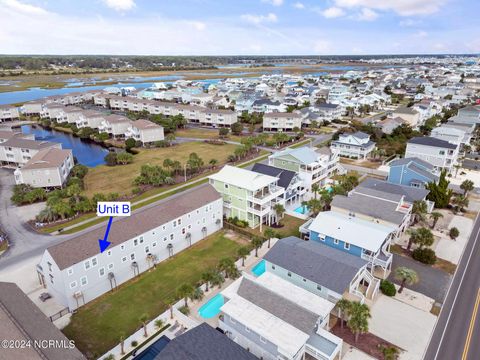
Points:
[[75, 272]]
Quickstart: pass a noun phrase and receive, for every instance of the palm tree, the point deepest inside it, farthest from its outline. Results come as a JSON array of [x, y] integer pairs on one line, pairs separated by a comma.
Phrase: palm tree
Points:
[[343, 305], [435, 216], [269, 234], [419, 210], [185, 291], [315, 189], [279, 211], [243, 252], [159, 323], [358, 318], [457, 167], [257, 243], [217, 279], [422, 237], [406, 276], [213, 163], [461, 202], [466, 186], [143, 319], [207, 276], [122, 343], [227, 265]]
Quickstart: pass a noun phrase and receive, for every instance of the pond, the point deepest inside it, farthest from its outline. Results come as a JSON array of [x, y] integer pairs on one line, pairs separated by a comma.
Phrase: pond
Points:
[[88, 154]]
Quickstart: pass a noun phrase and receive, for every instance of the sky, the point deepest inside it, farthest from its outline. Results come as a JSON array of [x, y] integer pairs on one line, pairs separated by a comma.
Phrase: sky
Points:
[[239, 27]]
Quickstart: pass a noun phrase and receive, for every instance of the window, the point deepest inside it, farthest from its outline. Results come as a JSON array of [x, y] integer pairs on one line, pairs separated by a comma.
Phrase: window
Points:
[[226, 186], [51, 278], [154, 244], [322, 237], [335, 241], [203, 220], [289, 274], [83, 281], [141, 239], [73, 285], [109, 253], [273, 267], [232, 320], [164, 227], [189, 227], [86, 264], [346, 246], [132, 256], [304, 280], [171, 236], [164, 238], [135, 242], [263, 340], [122, 247], [188, 216], [184, 230], [319, 287], [147, 249], [124, 259], [247, 329], [101, 271], [70, 271], [179, 221], [94, 261], [174, 223], [110, 266]]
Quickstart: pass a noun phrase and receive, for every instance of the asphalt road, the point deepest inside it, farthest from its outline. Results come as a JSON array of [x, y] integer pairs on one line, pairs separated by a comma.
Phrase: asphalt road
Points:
[[457, 332]]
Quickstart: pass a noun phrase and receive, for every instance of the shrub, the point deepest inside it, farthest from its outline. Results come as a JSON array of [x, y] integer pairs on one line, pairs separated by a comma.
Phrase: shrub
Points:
[[79, 171], [387, 288], [134, 343], [130, 143], [454, 233], [111, 159], [184, 310], [425, 255], [223, 132]]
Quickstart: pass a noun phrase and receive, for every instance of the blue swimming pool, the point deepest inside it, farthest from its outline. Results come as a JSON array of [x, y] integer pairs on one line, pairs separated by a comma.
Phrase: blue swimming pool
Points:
[[153, 350], [259, 269], [212, 307], [302, 210]]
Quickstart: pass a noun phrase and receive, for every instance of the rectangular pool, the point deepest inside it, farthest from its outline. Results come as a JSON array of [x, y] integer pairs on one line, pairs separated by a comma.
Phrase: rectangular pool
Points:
[[259, 269], [153, 350], [302, 210], [212, 307]]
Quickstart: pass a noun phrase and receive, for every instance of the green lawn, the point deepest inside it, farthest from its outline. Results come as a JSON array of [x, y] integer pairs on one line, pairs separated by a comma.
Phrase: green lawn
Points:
[[97, 326], [106, 179], [290, 227]]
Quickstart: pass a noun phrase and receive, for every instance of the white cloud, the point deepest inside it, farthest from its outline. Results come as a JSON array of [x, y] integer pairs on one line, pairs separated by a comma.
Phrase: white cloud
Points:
[[22, 7], [367, 15], [273, 2], [120, 5], [332, 12], [299, 5], [260, 19], [421, 34], [322, 47], [200, 26], [410, 23], [402, 7]]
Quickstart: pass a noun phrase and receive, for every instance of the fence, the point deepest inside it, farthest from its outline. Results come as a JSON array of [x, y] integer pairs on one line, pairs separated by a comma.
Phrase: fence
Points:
[[59, 314], [242, 231]]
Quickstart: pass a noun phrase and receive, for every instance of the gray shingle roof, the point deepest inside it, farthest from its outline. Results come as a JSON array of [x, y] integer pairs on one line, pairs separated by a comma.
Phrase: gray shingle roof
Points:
[[285, 176], [23, 320], [326, 266], [203, 342], [406, 161], [411, 193], [431, 141], [84, 246], [278, 306]]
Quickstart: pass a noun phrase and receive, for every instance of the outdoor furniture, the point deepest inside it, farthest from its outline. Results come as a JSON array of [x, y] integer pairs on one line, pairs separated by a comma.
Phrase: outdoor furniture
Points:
[[44, 296], [174, 327]]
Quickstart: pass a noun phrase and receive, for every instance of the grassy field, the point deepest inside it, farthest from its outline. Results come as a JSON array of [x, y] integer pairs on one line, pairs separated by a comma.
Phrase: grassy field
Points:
[[97, 326], [100, 179], [290, 227], [199, 133]]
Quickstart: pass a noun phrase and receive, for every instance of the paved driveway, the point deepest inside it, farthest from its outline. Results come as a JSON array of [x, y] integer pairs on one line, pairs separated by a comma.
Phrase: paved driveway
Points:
[[433, 282], [402, 325], [24, 242]]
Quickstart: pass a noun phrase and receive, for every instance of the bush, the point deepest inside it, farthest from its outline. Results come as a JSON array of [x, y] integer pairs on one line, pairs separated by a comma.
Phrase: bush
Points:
[[425, 255], [134, 343], [111, 159], [130, 143], [454, 233], [185, 310], [387, 288], [223, 132], [79, 171]]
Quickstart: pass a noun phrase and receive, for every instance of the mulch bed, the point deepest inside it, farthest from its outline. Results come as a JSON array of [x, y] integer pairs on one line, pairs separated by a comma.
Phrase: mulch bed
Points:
[[368, 343]]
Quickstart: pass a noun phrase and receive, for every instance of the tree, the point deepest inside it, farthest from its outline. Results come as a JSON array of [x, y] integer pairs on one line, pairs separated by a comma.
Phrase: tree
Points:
[[257, 244], [421, 237], [124, 158], [279, 211], [406, 276], [213, 163], [343, 305], [439, 193], [143, 319], [269, 234], [435, 216], [185, 291], [130, 143], [227, 265], [237, 128], [460, 202], [159, 323], [358, 318], [111, 159], [419, 210], [79, 171], [122, 343], [466, 186], [315, 189], [207, 277], [223, 132], [454, 233], [243, 252]]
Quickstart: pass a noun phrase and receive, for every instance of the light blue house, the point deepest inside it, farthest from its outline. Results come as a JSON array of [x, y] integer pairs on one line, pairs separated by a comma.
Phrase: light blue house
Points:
[[365, 239], [412, 172]]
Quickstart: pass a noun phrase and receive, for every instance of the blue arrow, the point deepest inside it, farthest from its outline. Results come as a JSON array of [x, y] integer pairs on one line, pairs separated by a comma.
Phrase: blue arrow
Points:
[[104, 244]]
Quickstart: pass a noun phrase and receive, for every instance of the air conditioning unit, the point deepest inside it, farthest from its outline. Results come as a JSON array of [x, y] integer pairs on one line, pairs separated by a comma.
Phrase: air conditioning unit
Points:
[[77, 294]]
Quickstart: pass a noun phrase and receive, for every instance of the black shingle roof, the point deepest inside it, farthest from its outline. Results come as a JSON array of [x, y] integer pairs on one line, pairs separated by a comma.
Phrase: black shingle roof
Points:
[[431, 141], [203, 343], [326, 266], [285, 176]]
